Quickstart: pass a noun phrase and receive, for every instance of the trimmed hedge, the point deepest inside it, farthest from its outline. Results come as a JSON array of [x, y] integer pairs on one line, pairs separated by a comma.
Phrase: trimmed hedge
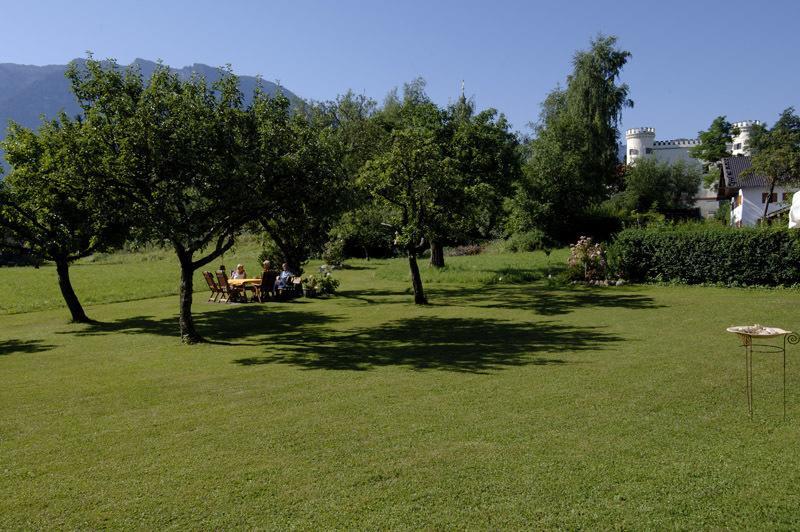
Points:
[[704, 253]]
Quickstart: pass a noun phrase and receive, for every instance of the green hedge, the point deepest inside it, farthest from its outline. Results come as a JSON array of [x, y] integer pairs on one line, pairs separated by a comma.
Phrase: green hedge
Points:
[[705, 253]]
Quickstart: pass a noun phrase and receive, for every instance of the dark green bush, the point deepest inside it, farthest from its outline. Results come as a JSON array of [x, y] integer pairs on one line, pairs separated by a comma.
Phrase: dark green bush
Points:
[[528, 241], [708, 253]]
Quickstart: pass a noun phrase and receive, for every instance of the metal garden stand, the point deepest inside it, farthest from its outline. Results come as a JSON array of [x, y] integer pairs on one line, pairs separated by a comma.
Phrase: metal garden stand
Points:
[[746, 335]]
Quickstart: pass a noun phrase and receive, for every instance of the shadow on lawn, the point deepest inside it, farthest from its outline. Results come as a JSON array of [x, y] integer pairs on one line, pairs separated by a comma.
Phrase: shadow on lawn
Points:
[[454, 344], [247, 324], [546, 300], [9, 347]]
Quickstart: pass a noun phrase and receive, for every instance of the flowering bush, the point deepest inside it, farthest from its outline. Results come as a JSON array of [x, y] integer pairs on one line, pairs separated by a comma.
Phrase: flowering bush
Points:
[[327, 284], [587, 261], [310, 282]]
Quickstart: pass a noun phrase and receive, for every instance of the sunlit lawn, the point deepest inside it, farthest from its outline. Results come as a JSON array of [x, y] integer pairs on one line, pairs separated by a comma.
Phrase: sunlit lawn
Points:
[[509, 402]]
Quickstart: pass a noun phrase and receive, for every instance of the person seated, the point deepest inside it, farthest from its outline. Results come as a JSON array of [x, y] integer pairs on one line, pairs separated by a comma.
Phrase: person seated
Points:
[[284, 278], [268, 278], [239, 272]]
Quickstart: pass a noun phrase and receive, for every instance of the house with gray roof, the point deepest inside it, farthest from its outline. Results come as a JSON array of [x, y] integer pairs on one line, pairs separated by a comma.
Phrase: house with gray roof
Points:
[[748, 193]]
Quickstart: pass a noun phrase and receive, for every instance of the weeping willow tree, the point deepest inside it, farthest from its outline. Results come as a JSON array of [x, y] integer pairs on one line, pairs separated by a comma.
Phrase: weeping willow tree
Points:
[[572, 162]]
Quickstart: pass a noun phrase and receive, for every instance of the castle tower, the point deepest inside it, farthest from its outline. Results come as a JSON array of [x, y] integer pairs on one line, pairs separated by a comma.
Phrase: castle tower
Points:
[[739, 145], [639, 142]]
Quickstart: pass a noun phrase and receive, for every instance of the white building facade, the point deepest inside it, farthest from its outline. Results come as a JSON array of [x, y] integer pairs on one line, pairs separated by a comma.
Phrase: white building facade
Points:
[[748, 193], [641, 142]]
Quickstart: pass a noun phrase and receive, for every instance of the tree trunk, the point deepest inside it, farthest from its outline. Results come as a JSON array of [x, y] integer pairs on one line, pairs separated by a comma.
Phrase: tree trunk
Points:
[[188, 333], [766, 203], [416, 280], [75, 308], [437, 255]]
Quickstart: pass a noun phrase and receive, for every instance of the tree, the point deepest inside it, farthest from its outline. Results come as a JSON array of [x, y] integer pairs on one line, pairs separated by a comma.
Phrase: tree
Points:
[[410, 172], [713, 147], [181, 160], [479, 154], [651, 185], [313, 190], [573, 161], [54, 203], [485, 162], [775, 153]]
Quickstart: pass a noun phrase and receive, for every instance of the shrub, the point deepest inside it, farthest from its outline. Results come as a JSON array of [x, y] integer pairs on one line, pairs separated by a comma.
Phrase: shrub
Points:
[[461, 251], [326, 284], [527, 241], [708, 253], [587, 261], [333, 253]]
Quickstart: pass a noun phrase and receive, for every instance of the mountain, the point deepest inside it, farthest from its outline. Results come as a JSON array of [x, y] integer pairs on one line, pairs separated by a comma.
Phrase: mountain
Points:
[[27, 92]]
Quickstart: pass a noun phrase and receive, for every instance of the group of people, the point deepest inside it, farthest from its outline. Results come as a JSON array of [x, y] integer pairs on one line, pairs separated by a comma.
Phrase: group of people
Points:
[[277, 280]]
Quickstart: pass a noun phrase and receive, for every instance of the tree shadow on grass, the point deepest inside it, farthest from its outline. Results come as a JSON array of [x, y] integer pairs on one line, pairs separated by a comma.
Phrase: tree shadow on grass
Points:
[[545, 300], [453, 344], [249, 324], [9, 347]]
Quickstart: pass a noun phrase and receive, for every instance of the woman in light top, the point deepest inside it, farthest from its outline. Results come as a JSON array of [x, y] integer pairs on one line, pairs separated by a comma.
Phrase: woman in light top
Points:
[[239, 272]]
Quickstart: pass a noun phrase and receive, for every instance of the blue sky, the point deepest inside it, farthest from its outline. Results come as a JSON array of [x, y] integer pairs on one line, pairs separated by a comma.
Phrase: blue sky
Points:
[[691, 60]]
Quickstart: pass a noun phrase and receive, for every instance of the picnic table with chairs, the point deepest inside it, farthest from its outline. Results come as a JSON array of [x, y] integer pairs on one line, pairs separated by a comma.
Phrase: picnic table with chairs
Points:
[[226, 290]]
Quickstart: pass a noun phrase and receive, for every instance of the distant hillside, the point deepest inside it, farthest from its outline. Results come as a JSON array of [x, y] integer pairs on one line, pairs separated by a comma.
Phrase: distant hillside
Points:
[[27, 92]]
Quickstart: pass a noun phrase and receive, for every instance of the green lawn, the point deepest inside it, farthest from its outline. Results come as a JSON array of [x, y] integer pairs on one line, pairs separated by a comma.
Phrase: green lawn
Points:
[[509, 402]]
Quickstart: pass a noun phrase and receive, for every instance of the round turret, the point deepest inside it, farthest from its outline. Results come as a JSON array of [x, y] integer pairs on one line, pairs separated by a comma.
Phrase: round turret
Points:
[[639, 142], [739, 144]]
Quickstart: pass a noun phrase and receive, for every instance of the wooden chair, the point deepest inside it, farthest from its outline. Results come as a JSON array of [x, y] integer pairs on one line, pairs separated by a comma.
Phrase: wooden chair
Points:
[[229, 293], [213, 286], [267, 286], [291, 289]]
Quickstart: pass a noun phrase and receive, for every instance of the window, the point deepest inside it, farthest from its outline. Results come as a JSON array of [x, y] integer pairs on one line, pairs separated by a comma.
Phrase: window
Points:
[[772, 199], [633, 151], [648, 151], [737, 146], [787, 196]]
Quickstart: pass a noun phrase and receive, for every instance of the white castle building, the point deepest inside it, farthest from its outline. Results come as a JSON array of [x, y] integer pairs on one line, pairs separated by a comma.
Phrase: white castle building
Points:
[[641, 142]]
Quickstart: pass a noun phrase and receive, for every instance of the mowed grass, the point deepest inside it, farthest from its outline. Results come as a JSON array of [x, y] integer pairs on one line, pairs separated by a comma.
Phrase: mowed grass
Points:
[[501, 405]]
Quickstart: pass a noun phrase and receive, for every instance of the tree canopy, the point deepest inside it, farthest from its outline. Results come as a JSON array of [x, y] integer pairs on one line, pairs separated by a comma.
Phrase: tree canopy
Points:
[[54, 203], [775, 152], [653, 186], [181, 160], [572, 160]]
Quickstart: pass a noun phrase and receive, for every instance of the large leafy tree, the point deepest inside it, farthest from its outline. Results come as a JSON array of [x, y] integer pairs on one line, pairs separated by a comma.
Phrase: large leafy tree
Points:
[[714, 141], [181, 160], [713, 147], [572, 162], [775, 153], [651, 185], [311, 190], [485, 162], [54, 204], [410, 173]]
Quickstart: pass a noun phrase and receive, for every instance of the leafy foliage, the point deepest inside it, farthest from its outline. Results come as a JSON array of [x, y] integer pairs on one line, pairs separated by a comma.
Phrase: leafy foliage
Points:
[[180, 158], [776, 152], [306, 188], [714, 141], [54, 203], [333, 253], [572, 162], [655, 186], [708, 253]]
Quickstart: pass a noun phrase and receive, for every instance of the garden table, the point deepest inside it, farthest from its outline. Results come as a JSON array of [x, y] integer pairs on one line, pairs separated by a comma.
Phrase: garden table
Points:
[[746, 333], [242, 282]]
